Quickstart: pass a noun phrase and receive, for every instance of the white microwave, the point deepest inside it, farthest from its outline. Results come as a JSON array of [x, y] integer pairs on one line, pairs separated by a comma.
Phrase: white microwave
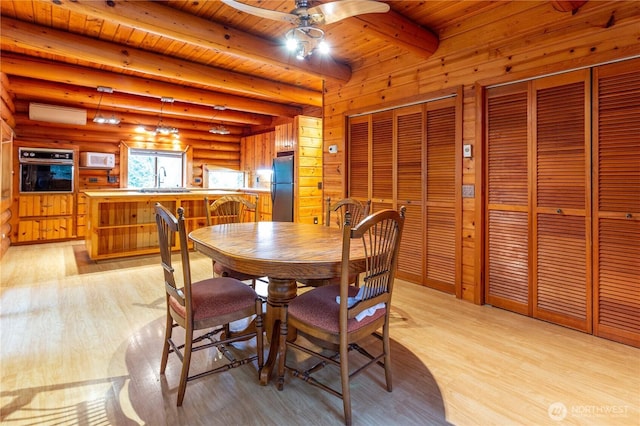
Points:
[[101, 160]]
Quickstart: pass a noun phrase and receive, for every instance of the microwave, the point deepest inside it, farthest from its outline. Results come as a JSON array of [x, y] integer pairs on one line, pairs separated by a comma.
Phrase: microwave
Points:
[[98, 160]]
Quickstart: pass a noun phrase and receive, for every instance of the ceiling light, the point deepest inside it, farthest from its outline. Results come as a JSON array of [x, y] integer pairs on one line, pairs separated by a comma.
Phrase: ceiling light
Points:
[[219, 130], [161, 128], [99, 118], [306, 39]]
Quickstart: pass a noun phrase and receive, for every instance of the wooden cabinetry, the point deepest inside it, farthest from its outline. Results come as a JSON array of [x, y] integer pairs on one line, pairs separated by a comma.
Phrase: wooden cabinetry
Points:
[[81, 215], [45, 217], [303, 137], [257, 153], [121, 224], [264, 206]]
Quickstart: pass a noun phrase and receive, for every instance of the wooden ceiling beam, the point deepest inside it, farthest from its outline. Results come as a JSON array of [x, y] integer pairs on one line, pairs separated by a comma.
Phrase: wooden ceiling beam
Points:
[[400, 31], [21, 35], [57, 93], [100, 132], [41, 69], [155, 18]]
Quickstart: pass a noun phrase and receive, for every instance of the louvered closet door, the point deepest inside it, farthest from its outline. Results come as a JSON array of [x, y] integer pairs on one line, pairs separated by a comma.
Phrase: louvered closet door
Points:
[[561, 188], [359, 129], [616, 154], [507, 249], [409, 142], [382, 177], [440, 200]]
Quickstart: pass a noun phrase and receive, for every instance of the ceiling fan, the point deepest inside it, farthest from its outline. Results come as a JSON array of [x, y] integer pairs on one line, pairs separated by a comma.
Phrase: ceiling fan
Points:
[[306, 37], [325, 13]]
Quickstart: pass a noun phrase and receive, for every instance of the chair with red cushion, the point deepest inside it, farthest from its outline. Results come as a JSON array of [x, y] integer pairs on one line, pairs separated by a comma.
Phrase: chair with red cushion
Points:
[[232, 209], [208, 304], [338, 317]]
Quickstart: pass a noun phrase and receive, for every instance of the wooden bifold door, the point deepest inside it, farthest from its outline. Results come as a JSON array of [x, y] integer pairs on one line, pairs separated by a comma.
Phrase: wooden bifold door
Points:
[[563, 199], [409, 156]]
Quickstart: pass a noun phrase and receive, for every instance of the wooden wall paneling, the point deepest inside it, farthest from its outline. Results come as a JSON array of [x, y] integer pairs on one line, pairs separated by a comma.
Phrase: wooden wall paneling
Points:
[[561, 211], [309, 199], [508, 283], [616, 205], [7, 122]]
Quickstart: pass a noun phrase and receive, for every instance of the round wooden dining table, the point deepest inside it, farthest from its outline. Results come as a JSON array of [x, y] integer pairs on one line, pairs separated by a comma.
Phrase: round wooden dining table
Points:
[[282, 251]]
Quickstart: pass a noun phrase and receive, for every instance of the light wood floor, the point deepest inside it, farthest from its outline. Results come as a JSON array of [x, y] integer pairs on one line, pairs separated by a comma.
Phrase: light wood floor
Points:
[[81, 342]]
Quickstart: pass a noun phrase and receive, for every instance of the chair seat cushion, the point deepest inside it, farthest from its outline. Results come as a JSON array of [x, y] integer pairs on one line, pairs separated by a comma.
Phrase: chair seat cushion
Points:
[[216, 297], [318, 308], [222, 271]]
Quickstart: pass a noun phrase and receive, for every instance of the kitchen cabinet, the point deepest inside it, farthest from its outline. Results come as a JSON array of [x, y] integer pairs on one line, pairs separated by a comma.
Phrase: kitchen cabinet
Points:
[[45, 217], [81, 215], [122, 223]]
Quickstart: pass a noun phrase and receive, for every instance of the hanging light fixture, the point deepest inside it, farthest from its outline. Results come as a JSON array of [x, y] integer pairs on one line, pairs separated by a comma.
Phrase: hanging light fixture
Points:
[[99, 118], [305, 39], [161, 128], [218, 129]]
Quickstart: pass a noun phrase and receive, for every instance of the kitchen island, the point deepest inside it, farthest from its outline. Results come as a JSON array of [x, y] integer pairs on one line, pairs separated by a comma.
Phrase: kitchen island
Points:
[[121, 223]]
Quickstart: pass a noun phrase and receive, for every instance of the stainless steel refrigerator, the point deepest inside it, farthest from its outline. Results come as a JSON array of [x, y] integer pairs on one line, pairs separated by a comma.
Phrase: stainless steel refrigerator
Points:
[[282, 188]]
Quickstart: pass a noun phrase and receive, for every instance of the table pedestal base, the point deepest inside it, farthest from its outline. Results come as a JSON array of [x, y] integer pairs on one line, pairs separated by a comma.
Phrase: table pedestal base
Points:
[[280, 293]]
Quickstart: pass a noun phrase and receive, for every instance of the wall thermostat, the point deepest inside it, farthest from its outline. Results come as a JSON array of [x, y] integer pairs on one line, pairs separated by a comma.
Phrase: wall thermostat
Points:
[[466, 151], [333, 149]]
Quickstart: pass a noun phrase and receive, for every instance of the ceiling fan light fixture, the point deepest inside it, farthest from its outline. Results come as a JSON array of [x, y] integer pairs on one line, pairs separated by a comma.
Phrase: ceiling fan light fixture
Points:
[[323, 47], [304, 40]]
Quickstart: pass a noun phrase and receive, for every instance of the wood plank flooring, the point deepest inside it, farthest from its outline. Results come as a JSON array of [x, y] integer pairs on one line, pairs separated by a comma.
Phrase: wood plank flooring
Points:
[[81, 342]]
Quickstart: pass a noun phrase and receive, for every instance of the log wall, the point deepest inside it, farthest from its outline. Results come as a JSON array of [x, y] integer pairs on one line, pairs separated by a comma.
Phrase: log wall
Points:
[[524, 40]]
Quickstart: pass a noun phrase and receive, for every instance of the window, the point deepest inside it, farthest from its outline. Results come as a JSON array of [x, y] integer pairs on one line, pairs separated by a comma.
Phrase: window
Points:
[[219, 178], [155, 169]]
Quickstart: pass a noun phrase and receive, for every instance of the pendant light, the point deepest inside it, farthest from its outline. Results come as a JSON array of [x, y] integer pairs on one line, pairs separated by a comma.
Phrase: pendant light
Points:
[[161, 128], [99, 118]]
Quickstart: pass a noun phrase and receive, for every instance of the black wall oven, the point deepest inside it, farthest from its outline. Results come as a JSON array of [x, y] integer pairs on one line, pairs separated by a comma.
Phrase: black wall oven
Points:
[[46, 170]]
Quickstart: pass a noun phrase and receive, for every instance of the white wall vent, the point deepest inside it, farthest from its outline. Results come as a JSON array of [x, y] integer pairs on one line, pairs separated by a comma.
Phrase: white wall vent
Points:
[[57, 114]]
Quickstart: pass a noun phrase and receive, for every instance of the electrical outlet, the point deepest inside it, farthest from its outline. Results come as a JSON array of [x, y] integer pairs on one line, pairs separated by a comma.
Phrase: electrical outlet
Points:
[[112, 179], [315, 220]]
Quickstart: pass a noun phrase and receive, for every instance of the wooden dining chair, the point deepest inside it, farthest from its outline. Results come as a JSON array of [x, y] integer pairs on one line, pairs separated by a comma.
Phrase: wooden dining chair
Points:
[[209, 304], [335, 216], [358, 210], [232, 209], [341, 316]]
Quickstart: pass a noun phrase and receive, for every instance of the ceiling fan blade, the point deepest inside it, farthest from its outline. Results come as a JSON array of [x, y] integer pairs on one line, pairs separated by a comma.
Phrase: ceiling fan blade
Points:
[[263, 13], [338, 10]]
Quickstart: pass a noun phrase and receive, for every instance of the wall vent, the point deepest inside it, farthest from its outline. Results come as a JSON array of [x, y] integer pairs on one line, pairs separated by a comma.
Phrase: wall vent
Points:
[[57, 114]]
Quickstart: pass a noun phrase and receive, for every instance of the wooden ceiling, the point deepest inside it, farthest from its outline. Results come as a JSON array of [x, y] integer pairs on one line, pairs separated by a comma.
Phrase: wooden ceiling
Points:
[[200, 53]]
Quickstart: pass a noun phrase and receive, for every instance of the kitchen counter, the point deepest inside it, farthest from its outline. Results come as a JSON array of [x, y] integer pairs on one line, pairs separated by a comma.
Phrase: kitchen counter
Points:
[[121, 222]]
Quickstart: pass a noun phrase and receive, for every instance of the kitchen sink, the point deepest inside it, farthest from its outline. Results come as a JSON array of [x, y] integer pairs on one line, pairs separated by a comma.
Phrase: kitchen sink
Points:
[[163, 190]]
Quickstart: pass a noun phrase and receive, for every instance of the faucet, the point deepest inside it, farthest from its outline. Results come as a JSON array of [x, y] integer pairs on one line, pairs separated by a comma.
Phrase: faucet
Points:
[[159, 177]]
